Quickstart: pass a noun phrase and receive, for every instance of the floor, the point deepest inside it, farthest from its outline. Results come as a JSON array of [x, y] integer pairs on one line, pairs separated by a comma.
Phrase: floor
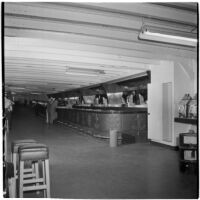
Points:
[[85, 167]]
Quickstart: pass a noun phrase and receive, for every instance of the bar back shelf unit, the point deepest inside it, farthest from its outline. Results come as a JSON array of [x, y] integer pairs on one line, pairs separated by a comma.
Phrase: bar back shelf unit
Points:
[[185, 120]]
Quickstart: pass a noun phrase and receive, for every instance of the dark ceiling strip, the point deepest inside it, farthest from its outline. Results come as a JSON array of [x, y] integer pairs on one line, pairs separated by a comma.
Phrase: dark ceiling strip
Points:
[[181, 6], [51, 19], [108, 10]]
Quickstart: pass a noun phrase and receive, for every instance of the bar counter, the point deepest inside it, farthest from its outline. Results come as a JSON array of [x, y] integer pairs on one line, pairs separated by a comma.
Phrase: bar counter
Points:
[[98, 121]]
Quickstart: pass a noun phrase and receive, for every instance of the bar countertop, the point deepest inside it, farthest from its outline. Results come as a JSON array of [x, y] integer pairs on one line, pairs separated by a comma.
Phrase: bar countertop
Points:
[[108, 109]]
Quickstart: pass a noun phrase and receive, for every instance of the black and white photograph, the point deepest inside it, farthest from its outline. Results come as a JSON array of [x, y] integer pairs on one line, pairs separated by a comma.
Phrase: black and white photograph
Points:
[[100, 99]]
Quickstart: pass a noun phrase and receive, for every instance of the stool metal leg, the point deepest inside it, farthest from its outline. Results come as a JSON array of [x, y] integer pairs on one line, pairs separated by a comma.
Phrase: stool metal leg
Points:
[[37, 174], [14, 161], [47, 177], [11, 187], [33, 168], [44, 177], [21, 174]]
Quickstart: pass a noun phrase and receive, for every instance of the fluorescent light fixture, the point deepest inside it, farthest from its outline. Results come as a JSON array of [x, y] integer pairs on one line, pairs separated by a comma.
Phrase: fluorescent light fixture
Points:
[[168, 36], [80, 74], [35, 93], [83, 71], [17, 88]]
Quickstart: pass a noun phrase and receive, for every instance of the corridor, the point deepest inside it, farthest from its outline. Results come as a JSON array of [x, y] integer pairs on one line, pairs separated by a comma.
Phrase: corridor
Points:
[[85, 167]]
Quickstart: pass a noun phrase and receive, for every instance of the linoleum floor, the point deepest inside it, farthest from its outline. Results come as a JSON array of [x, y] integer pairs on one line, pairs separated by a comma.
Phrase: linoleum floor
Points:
[[85, 167]]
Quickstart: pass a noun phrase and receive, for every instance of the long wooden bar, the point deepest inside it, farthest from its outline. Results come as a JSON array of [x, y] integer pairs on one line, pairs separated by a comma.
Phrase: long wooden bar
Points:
[[98, 121]]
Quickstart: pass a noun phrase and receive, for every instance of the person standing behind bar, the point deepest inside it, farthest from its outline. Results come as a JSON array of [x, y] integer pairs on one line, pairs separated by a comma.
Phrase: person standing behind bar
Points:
[[51, 110], [54, 115], [141, 98], [48, 111]]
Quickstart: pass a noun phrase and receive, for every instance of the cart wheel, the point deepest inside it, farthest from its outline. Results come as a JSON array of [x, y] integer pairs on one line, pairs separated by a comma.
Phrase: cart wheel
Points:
[[182, 167]]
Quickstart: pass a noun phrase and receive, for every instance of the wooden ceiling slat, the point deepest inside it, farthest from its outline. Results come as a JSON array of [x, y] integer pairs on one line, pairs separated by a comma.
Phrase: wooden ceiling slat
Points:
[[49, 11], [95, 44], [66, 27], [60, 69], [66, 52], [40, 84], [49, 56], [149, 10], [182, 6], [59, 77], [109, 74], [51, 78], [100, 13], [42, 24]]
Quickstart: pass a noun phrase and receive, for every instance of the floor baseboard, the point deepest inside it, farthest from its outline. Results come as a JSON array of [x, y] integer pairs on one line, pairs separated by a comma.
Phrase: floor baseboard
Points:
[[164, 145]]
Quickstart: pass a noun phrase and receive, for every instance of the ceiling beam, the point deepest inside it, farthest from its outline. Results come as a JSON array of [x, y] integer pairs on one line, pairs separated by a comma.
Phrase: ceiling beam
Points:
[[93, 44], [42, 66], [52, 56], [40, 83], [79, 31], [102, 13], [148, 10], [50, 79], [69, 27], [80, 54], [65, 14]]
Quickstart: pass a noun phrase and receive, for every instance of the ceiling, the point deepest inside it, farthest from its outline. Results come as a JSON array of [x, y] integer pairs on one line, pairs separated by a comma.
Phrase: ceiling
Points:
[[43, 40]]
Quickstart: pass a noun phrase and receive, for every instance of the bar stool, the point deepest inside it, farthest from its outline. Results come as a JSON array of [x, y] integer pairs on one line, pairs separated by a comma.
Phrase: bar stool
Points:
[[14, 158], [35, 153]]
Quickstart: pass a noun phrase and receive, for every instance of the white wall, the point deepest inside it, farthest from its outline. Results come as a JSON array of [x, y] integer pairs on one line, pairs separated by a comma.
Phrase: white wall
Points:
[[160, 74], [185, 81], [183, 76]]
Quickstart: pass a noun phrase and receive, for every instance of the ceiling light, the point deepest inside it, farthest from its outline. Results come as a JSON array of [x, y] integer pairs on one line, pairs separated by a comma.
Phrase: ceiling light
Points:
[[35, 93], [80, 74], [17, 88], [168, 36], [84, 71]]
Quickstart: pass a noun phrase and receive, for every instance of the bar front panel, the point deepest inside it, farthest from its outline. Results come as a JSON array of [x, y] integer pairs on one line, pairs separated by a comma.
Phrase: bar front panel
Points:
[[99, 122]]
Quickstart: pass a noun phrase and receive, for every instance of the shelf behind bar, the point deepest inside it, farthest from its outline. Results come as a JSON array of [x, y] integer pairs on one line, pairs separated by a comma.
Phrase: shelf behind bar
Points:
[[185, 120]]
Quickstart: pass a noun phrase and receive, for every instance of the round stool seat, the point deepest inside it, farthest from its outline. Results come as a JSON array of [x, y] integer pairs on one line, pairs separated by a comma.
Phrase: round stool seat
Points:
[[15, 144], [33, 152]]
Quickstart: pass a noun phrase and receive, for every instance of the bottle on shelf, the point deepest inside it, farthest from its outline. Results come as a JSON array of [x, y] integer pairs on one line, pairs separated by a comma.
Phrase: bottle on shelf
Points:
[[192, 108], [183, 106]]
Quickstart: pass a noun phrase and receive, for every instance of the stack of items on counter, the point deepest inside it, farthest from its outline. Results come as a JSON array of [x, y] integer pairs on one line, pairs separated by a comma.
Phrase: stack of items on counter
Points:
[[187, 107]]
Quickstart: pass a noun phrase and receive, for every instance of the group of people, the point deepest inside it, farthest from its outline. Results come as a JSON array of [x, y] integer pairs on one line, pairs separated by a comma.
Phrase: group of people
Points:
[[133, 98], [101, 99], [136, 98]]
